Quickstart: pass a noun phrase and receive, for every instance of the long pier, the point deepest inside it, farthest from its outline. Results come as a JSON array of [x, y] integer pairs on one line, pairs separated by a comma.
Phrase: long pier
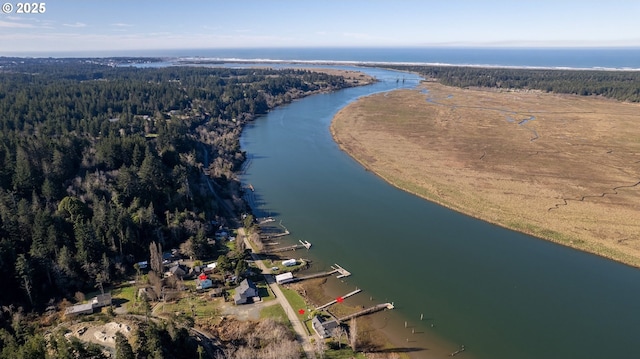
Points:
[[266, 220], [285, 233], [375, 308], [270, 236], [336, 301], [303, 244], [335, 269], [316, 275]]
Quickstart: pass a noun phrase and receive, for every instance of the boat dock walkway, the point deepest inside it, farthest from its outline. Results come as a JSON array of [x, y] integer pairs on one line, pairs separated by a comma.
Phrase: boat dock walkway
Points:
[[336, 300], [316, 275], [335, 269], [375, 308], [343, 272], [271, 236], [266, 220], [303, 244]]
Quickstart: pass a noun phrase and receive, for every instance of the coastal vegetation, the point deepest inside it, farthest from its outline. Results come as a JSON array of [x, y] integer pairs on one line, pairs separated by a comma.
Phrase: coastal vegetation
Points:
[[557, 166], [618, 85], [102, 166]]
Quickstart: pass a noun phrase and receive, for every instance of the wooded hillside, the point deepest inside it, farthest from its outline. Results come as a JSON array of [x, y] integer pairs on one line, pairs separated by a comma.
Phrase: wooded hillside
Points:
[[619, 85], [98, 161]]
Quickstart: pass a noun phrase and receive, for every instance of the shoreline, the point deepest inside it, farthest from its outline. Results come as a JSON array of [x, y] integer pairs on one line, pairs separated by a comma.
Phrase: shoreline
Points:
[[320, 62], [458, 202], [380, 327]]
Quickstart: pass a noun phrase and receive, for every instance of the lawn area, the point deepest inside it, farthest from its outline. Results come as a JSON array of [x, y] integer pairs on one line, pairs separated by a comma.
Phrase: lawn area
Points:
[[198, 305], [125, 295], [276, 312], [297, 302], [345, 353]]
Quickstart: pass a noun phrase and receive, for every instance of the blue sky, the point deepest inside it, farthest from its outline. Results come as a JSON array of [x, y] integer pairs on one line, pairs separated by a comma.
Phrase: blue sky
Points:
[[114, 25]]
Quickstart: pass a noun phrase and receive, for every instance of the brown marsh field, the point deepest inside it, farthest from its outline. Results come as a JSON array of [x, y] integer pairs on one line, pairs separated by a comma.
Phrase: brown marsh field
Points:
[[560, 167]]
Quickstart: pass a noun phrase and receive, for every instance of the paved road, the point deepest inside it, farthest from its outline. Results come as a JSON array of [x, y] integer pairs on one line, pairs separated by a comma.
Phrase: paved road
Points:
[[298, 326]]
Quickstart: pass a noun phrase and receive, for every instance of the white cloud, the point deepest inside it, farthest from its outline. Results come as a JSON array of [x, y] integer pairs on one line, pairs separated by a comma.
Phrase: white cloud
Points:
[[120, 24], [15, 25], [77, 24]]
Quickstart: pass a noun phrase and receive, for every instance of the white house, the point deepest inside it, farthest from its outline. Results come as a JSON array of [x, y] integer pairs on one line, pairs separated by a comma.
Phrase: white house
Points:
[[289, 262], [284, 278]]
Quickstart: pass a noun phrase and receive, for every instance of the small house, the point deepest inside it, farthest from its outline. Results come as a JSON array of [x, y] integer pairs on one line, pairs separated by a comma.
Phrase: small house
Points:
[[289, 262], [284, 278], [79, 310], [101, 300], [178, 270], [203, 282], [210, 267], [324, 328], [98, 301], [246, 292]]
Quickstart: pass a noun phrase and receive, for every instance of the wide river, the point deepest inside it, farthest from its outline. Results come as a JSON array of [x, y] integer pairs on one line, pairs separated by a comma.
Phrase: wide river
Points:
[[500, 293]]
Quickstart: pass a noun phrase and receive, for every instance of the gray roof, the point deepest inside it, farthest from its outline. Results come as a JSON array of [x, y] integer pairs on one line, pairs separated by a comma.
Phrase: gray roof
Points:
[[179, 270], [323, 327], [246, 289], [79, 309], [103, 299]]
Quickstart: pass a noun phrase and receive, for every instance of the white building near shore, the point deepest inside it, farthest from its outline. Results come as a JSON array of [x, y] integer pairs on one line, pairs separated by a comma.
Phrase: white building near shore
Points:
[[284, 278]]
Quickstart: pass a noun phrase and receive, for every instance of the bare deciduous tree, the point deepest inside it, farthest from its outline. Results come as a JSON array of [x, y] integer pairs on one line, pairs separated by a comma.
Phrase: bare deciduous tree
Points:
[[353, 334], [156, 257], [320, 348], [337, 334]]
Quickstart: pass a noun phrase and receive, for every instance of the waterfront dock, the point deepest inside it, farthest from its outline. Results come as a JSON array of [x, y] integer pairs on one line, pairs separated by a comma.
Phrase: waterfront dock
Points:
[[278, 235], [343, 272], [334, 269], [303, 244], [316, 275], [375, 308], [266, 220], [271, 236], [336, 301]]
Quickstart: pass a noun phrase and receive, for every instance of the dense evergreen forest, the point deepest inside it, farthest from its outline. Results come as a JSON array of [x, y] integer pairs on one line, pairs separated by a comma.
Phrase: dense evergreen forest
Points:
[[99, 162], [619, 85]]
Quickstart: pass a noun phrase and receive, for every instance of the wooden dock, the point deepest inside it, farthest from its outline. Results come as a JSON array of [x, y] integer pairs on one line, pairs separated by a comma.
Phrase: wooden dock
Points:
[[316, 275], [336, 301], [375, 308], [343, 272], [462, 348], [271, 236], [335, 268], [303, 244], [266, 220]]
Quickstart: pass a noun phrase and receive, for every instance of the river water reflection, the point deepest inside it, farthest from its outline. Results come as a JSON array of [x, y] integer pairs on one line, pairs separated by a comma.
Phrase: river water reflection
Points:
[[500, 293]]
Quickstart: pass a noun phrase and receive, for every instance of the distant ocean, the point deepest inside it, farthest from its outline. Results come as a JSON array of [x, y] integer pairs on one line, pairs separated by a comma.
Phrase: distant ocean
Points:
[[597, 58], [579, 58]]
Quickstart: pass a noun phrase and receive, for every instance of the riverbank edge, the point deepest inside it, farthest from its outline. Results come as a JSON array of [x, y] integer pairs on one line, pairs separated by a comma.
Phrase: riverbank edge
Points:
[[517, 224], [389, 339]]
